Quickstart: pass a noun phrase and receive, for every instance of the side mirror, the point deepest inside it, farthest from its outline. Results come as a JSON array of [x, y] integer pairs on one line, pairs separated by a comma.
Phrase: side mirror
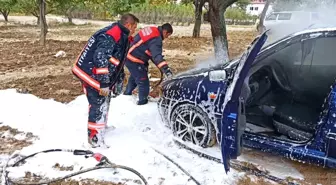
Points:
[[217, 75]]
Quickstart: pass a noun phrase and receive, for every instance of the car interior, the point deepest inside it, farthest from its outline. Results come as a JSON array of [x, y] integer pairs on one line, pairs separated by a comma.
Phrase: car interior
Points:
[[285, 91]]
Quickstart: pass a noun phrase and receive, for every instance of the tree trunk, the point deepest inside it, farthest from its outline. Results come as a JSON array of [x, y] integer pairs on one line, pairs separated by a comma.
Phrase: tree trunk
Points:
[[6, 17], [43, 22], [198, 17], [5, 14], [262, 17], [69, 14], [218, 31], [70, 19]]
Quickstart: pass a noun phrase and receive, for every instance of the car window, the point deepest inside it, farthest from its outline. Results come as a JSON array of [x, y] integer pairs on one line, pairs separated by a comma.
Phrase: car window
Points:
[[271, 17], [289, 55], [319, 65], [325, 52], [289, 58], [284, 16]]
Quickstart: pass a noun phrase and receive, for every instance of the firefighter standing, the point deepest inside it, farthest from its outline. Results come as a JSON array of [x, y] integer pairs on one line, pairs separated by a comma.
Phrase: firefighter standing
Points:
[[100, 68], [147, 45]]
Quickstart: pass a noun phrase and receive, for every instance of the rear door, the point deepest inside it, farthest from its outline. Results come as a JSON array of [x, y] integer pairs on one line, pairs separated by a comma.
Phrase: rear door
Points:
[[233, 120]]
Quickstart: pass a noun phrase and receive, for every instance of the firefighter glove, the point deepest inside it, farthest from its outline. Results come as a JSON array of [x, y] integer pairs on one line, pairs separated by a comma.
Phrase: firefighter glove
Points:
[[166, 70], [169, 74], [104, 91]]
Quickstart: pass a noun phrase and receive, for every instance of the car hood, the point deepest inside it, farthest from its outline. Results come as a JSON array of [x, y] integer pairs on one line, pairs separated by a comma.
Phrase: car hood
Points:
[[204, 71], [197, 71]]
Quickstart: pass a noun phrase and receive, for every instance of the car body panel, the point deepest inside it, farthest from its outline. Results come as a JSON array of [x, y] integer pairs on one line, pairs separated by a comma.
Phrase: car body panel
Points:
[[191, 89], [320, 150]]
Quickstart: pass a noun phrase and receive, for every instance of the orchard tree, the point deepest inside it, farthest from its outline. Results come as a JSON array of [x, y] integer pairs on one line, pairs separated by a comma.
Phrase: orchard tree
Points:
[[33, 7], [6, 6], [123, 6], [113, 7], [43, 21], [235, 14], [242, 4], [198, 17], [217, 9], [66, 7], [199, 4], [260, 25], [186, 1]]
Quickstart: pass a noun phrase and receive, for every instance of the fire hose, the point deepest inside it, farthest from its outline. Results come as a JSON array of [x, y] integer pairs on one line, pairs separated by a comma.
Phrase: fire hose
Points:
[[103, 163], [158, 83]]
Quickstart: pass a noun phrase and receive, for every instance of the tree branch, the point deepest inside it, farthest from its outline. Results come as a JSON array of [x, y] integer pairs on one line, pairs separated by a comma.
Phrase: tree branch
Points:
[[34, 14], [226, 3]]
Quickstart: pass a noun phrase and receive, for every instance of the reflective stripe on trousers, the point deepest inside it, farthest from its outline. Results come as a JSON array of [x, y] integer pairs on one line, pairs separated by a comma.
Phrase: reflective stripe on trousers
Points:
[[98, 109]]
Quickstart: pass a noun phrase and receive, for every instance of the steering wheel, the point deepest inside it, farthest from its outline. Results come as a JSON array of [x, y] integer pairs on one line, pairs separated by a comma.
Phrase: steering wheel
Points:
[[280, 76]]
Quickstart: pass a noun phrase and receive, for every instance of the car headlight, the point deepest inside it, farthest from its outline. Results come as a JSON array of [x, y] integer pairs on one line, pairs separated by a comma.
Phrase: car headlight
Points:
[[217, 75]]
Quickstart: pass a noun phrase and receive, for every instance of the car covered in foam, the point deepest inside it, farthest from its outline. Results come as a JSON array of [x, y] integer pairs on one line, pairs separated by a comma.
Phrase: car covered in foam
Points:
[[279, 98]]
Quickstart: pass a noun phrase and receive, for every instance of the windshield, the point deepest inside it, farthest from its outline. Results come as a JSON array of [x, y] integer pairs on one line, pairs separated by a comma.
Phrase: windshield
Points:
[[284, 16], [272, 16]]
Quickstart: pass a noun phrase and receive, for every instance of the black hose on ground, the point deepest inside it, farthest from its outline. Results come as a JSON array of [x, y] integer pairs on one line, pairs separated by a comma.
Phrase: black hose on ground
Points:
[[80, 172], [169, 159], [104, 163], [238, 166]]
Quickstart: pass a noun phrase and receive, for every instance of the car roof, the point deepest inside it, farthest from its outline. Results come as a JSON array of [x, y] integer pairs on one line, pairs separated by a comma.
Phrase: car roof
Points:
[[312, 29], [316, 28]]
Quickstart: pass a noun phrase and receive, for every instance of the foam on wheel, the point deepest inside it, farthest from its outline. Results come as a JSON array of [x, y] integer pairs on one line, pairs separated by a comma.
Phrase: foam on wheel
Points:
[[191, 123]]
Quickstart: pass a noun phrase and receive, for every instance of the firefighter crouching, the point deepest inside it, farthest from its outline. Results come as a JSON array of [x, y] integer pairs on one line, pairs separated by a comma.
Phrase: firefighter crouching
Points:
[[147, 44], [100, 68]]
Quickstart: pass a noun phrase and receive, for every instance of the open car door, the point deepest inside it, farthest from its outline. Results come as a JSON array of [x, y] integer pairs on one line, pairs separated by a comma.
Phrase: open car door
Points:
[[233, 120]]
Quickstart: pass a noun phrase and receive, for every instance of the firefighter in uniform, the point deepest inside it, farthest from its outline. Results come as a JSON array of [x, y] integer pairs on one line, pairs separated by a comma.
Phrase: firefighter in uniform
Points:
[[100, 68], [147, 44]]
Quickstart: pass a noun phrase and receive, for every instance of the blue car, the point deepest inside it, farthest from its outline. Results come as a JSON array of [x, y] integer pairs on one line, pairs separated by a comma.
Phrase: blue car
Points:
[[280, 98]]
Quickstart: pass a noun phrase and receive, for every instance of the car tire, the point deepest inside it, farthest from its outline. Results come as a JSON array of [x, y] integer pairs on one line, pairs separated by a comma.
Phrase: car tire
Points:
[[199, 129]]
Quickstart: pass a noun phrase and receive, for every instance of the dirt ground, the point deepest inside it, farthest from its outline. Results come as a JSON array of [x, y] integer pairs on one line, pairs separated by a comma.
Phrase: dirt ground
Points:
[[12, 140], [30, 68]]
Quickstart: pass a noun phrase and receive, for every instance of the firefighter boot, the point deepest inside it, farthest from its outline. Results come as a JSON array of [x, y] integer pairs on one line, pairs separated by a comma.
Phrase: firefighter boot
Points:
[[96, 138], [142, 102]]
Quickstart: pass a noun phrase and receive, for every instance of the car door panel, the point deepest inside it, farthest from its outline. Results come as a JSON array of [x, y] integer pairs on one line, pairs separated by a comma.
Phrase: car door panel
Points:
[[234, 114]]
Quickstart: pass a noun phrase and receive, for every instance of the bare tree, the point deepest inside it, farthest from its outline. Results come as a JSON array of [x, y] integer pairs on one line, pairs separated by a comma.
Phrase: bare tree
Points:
[[260, 26], [198, 17], [217, 9], [43, 22]]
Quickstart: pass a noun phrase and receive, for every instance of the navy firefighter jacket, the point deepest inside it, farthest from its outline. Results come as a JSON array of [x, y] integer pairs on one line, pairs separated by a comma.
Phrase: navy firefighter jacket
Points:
[[147, 44], [101, 62]]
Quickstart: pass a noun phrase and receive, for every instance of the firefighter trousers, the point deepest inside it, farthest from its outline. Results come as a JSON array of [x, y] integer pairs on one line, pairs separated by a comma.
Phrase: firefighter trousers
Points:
[[138, 78], [98, 109]]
